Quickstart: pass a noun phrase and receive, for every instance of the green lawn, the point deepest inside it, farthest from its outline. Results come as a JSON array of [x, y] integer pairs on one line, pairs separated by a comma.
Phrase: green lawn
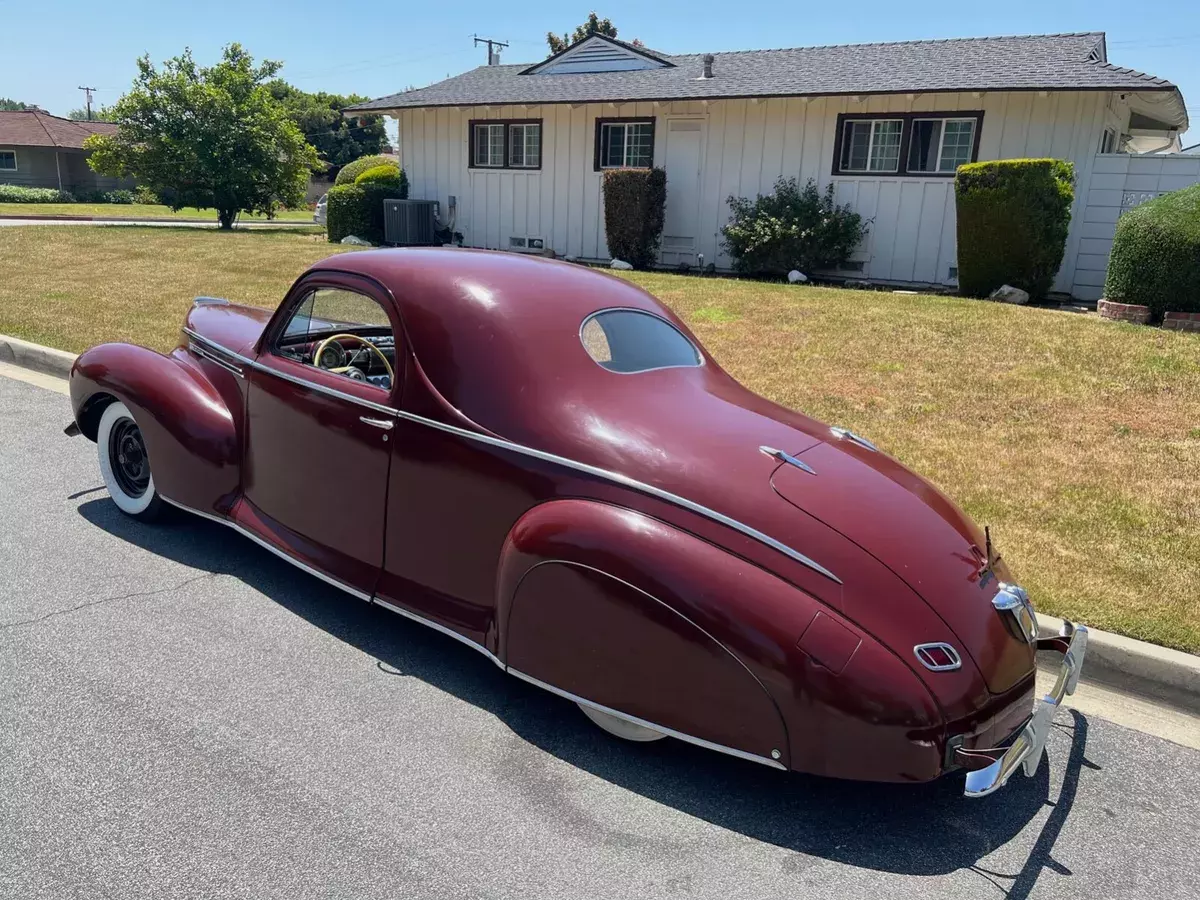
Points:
[[135, 211], [1077, 440]]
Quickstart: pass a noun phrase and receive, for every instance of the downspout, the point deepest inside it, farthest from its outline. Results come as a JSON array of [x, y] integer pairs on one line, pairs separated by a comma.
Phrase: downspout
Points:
[[58, 169]]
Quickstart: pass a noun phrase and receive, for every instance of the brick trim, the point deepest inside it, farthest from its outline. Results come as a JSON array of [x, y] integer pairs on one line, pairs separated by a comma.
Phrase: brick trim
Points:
[[1124, 312], [1182, 321]]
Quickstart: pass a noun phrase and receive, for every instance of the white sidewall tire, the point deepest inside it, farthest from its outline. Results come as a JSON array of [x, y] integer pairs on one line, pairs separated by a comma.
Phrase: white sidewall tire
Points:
[[622, 728], [133, 506]]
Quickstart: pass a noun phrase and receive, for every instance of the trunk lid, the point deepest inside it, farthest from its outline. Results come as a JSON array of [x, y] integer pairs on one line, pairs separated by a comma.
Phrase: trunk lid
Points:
[[917, 532]]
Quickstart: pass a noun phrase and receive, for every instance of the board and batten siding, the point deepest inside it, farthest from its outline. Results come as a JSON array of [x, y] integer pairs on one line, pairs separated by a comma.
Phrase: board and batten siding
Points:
[[1119, 183], [747, 146]]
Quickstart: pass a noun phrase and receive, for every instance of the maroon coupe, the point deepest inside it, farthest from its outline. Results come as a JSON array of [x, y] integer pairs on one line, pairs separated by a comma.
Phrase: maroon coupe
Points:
[[541, 461]]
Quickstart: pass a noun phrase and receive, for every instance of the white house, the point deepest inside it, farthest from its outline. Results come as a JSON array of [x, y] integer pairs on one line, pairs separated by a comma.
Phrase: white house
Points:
[[515, 152]]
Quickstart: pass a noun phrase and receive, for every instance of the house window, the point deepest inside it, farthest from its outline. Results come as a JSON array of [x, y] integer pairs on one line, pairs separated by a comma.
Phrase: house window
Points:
[[525, 146], [871, 146], [940, 145], [515, 144], [8, 160], [624, 144], [912, 144], [1108, 141]]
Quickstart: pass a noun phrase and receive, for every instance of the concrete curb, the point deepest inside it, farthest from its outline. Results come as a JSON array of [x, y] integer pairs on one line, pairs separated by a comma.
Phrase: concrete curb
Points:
[[34, 356], [1136, 667]]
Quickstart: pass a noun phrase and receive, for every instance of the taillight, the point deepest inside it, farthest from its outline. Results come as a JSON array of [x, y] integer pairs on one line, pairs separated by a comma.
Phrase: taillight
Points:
[[938, 657]]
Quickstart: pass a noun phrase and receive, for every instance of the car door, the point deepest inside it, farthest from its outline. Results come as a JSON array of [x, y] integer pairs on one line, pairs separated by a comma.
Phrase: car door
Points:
[[317, 453]]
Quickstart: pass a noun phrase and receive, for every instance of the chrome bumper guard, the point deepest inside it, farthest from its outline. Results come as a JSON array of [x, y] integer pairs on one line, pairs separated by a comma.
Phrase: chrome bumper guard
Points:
[[991, 769]]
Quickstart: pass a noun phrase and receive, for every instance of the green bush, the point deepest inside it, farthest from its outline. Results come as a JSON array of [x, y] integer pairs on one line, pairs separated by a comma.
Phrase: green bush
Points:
[[390, 176], [351, 171], [15, 193], [1013, 216], [792, 228], [634, 205], [143, 195], [358, 209], [1155, 259], [119, 196]]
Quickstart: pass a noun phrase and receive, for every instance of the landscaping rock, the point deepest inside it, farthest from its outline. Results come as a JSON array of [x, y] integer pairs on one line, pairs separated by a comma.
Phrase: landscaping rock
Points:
[[796, 276], [355, 240], [620, 264], [570, 257], [1006, 293], [1124, 312]]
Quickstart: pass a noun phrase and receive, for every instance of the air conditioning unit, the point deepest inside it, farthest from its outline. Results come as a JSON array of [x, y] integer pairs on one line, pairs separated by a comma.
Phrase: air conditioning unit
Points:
[[410, 223]]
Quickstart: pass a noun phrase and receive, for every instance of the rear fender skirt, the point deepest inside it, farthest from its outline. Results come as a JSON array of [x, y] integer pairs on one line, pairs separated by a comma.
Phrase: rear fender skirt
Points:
[[191, 435]]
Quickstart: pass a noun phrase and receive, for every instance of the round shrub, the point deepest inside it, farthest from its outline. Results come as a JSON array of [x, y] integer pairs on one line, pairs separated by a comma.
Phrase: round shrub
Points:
[[386, 175], [792, 228], [351, 171], [357, 209], [1155, 259], [1013, 216]]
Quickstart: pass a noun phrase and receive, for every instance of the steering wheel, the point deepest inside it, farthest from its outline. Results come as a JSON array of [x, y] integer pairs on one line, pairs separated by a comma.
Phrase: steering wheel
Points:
[[353, 337]]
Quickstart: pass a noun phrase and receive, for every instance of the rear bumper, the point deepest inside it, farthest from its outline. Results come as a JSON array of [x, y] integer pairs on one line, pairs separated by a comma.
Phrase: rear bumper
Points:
[[991, 769]]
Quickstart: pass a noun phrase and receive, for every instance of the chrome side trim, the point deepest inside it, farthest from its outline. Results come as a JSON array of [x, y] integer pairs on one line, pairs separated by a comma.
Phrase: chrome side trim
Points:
[[204, 353], [670, 732], [437, 626], [789, 459], [1014, 600], [328, 579], [847, 434], [503, 444]]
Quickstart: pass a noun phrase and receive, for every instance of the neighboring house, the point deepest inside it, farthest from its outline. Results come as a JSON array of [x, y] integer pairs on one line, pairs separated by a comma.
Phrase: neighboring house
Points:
[[41, 150], [521, 148]]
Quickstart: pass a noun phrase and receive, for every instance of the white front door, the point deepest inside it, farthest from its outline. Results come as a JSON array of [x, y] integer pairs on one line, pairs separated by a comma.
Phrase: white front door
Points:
[[685, 149]]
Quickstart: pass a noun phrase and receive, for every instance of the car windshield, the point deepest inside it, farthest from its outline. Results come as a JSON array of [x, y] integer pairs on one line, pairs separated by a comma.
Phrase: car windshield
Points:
[[630, 341]]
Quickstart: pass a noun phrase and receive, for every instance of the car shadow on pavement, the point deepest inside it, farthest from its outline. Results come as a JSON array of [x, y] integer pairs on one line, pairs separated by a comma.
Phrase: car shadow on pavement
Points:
[[909, 829]]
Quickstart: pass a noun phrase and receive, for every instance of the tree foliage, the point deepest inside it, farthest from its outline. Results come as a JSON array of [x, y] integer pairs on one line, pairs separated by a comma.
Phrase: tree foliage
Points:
[[101, 114], [211, 137], [319, 117], [593, 25], [7, 105]]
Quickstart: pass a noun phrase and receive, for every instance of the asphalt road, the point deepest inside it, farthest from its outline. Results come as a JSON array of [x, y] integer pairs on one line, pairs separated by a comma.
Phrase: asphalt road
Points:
[[184, 715]]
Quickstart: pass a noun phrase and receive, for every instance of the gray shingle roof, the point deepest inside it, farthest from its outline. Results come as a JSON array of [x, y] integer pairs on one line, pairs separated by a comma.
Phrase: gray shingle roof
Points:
[[1028, 62]]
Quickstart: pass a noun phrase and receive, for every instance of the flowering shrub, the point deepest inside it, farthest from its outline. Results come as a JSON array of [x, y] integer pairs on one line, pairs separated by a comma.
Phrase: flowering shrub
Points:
[[792, 228]]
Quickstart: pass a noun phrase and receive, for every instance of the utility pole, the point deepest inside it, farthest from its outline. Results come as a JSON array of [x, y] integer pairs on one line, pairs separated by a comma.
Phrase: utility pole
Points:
[[493, 55], [87, 92]]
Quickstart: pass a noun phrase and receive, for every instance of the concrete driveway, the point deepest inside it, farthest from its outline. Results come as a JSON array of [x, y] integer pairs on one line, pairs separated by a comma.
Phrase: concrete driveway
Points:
[[184, 715]]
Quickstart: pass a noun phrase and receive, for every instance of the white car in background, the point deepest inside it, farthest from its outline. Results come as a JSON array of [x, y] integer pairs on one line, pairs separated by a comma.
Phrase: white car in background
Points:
[[319, 212]]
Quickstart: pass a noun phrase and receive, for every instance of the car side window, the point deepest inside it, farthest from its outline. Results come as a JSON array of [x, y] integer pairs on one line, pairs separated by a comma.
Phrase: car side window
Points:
[[344, 332]]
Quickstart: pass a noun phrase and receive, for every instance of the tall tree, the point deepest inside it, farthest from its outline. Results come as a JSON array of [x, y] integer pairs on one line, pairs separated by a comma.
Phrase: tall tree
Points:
[[593, 25], [103, 114], [212, 137], [338, 140], [7, 105]]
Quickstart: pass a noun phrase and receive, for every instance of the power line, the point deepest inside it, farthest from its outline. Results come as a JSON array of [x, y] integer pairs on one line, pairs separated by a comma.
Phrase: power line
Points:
[[493, 55]]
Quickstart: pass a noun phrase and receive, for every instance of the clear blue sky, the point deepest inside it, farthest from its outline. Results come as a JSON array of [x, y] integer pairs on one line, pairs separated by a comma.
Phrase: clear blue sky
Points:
[[380, 48]]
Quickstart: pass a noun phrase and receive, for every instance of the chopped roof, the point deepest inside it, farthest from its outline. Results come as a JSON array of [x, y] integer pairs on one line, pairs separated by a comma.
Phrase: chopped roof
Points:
[[37, 128], [1026, 62]]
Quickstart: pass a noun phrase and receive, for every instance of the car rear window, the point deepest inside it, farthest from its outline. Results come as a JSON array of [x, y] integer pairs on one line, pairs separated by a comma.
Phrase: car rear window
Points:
[[629, 341]]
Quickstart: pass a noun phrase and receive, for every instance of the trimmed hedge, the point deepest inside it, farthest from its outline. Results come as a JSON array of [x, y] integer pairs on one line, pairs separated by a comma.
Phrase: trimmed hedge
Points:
[[634, 207], [1013, 216], [389, 175], [15, 193], [358, 209], [351, 171], [1155, 259]]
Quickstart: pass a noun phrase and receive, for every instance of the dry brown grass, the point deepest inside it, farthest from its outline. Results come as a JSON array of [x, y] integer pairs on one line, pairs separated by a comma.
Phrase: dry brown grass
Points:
[[1077, 440]]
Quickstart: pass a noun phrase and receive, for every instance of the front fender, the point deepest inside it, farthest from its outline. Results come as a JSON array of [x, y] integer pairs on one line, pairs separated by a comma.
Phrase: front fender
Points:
[[192, 435]]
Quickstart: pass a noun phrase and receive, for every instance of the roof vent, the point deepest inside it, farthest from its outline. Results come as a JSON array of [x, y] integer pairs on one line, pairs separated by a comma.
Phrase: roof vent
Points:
[[708, 61]]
